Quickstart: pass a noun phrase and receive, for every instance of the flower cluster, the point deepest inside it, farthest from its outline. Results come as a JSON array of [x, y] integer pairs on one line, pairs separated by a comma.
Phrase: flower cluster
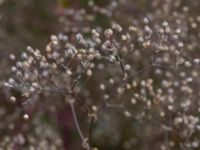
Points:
[[145, 69]]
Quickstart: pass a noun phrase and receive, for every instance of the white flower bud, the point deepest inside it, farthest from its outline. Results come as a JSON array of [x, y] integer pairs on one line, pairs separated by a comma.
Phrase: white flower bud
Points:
[[79, 37], [54, 38], [140, 39], [69, 73], [146, 21], [89, 72], [11, 81], [189, 79], [127, 113], [12, 99], [178, 120], [180, 44], [8, 85], [108, 33], [24, 55], [123, 37], [117, 27], [188, 64], [127, 67], [133, 101], [102, 86], [35, 85], [12, 56], [30, 49], [13, 69], [196, 61], [26, 116], [165, 24]]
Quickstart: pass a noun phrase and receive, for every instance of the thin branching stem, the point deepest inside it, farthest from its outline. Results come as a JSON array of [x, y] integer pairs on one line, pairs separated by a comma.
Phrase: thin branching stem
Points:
[[76, 121], [90, 131]]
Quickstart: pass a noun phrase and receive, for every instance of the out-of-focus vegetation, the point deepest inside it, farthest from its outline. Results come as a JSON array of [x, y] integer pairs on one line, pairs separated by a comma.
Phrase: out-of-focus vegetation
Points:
[[22, 23]]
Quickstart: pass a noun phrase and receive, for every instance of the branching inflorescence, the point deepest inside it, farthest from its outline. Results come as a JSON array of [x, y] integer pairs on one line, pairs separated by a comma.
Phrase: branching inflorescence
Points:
[[143, 69]]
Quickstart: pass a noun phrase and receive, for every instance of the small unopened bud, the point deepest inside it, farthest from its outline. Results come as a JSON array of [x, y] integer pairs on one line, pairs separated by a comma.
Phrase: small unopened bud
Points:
[[89, 72], [146, 21], [189, 79], [69, 73], [19, 74], [79, 37], [133, 29], [8, 85], [11, 81], [180, 44], [127, 113], [127, 67], [140, 39], [24, 55], [123, 37], [133, 101], [12, 99], [35, 85], [48, 48], [12, 56], [196, 61], [30, 49], [102, 87], [94, 108], [26, 116], [117, 27], [188, 64], [54, 38], [108, 33], [165, 24], [111, 81], [13, 69]]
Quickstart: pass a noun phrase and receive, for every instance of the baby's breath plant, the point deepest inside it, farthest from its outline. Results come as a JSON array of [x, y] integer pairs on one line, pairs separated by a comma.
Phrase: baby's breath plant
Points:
[[135, 80]]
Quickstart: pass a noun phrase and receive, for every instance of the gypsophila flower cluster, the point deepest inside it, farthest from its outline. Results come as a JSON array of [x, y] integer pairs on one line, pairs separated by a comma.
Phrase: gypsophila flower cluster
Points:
[[143, 70]]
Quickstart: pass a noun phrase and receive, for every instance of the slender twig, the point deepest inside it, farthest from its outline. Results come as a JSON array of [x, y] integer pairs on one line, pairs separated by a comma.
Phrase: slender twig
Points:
[[81, 103], [90, 131], [154, 57], [76, 121], [122, 69]]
